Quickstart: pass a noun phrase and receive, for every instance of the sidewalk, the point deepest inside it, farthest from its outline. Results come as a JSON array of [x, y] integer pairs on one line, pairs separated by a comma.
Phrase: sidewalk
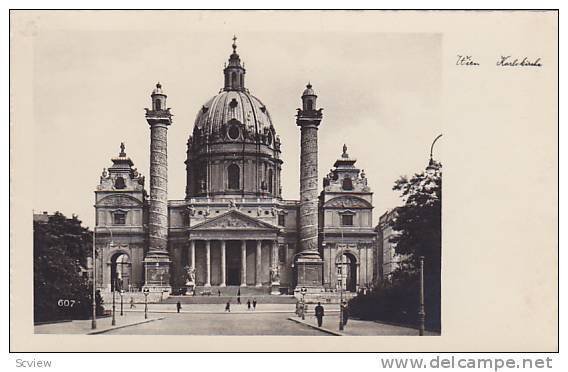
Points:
[[103, 324], [357, 327]]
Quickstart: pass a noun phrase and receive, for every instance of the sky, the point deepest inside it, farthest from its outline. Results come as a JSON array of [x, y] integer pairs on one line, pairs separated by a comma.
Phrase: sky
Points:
[[380, 93]]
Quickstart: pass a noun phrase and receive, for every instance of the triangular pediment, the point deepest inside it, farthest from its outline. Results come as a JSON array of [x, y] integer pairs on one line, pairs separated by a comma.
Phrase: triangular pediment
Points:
[[233, 220]]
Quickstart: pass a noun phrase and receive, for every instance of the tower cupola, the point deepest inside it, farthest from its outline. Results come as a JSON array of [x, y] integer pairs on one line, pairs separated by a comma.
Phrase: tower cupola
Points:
[[309, 98], [158, 98]]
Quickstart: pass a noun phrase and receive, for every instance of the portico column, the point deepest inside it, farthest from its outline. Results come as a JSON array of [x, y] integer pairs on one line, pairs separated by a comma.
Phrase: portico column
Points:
[[192, 253], [258, 262], [223, 264], [243, 263], [208, 260], [274, 252]]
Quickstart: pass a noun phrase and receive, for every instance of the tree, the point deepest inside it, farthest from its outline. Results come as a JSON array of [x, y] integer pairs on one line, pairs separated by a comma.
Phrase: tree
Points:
[[419, 233], [61, 248]]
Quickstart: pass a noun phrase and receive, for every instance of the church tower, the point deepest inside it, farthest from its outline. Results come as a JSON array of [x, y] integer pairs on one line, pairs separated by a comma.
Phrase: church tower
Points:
[[309, 265], [157, 261]]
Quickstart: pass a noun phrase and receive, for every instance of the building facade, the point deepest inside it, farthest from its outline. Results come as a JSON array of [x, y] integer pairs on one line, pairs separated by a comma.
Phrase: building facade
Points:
[[233, 228], [387, 258]]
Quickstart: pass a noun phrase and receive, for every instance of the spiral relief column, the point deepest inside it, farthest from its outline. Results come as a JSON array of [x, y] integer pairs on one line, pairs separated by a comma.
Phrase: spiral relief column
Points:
[[157, 261], [309, 264]]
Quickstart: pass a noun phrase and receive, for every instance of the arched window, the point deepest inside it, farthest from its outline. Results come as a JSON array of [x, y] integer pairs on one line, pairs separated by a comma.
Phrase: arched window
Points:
[[158, 105], [119, 183], [310, 105], [234, 177], [234, 79], [270, 181], [347, 184]]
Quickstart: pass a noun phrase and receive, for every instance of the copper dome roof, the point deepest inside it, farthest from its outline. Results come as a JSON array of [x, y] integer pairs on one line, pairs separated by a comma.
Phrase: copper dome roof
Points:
[[232, 105]]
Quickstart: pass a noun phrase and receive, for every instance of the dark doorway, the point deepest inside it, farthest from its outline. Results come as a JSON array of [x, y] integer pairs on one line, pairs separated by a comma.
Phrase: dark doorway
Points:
[[233, 253], [120, 272], [347, 272]]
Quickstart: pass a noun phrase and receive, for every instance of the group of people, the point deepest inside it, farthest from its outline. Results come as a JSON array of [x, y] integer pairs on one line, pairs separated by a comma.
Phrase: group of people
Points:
[[249, 303]]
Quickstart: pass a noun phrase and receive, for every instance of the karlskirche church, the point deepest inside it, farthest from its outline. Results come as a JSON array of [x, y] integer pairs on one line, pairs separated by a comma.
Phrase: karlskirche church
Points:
[[234, 229]]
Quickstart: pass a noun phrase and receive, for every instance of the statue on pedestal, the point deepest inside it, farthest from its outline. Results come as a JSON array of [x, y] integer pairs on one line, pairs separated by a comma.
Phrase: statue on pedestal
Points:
[[275, 274], [189, 278]]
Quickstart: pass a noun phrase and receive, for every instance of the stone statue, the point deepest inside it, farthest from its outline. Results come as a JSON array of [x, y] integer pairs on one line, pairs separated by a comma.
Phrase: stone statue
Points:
[[105, 174], [274, 274], [135, 173], [189, 275], [232, 204]]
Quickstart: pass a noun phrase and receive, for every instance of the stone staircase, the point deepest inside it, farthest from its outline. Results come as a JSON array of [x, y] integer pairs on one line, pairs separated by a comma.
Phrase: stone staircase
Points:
[[232, 291], [210, 295]]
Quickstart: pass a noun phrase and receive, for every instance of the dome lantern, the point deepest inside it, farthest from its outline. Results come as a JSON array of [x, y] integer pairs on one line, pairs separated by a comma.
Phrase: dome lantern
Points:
[[233, 71]]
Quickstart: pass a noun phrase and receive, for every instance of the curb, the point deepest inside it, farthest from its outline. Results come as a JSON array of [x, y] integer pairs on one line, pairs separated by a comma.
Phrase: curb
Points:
[[122, 326], [325, 330]]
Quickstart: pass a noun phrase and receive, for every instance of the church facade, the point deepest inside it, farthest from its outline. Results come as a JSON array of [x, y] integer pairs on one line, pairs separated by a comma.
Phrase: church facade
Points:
[[233, 228]]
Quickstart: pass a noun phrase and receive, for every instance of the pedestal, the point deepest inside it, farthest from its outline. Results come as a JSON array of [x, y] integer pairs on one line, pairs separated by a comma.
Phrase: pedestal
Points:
[[157, 274], [309, 272]]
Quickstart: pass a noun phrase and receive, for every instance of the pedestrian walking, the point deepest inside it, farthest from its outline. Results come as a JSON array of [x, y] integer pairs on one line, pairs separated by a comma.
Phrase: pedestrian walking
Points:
[[248, 304], [132, 306], [239, 300], [253, 304], [319, 314], [219, 291], [228, 307], [178, 306]]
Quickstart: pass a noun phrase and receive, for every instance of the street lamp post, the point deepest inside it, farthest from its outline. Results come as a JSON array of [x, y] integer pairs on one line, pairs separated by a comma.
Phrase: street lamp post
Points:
[[121, 296], [93, 283], [421, 312], [342, 267], [113, 302], [303, 292], [94, 270], [146, 292]]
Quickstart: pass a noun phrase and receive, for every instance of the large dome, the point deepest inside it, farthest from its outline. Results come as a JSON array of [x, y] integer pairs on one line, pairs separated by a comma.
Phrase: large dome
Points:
[[233, 106], [233, 149]]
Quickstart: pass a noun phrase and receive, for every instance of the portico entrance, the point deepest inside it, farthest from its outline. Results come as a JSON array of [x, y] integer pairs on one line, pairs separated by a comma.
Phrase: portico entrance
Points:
[[233, 262], [233, 249]]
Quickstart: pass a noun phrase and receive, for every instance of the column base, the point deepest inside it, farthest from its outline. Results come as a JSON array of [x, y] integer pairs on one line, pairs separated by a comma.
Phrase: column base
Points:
[[243, 285], [157, 273], [207, 285], [309, 271], [258, 285], [222, 285]]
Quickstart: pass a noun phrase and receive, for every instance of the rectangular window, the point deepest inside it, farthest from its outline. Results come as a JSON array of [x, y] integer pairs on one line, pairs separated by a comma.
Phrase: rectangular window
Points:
[[120, 218], [347, 220], [281, 220], [282, 253]]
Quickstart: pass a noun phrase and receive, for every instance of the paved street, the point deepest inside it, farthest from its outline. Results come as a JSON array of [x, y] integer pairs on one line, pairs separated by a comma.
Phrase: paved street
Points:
[[244, 324], [211, 319]]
